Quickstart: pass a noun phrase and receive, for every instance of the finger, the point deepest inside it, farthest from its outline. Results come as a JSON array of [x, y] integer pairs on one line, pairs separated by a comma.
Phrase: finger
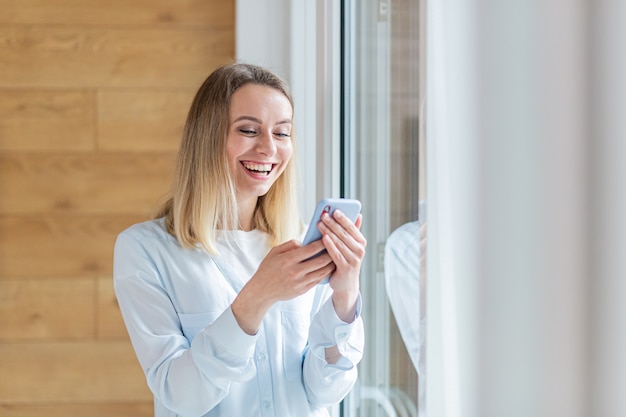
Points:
[[316, 262], [286, 246], [339, 252], [311, 249], [342, 226], [322, 273], [342, 219], [351, 242], [359, 221], [330, 225]]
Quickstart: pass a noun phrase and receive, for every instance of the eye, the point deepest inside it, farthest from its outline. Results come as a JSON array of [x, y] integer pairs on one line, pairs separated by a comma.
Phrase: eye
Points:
[[282, 135], [249, 132]]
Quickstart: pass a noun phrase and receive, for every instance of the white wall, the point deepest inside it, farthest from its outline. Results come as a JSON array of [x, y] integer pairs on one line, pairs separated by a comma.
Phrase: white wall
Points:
[[607, 208], [526, 156]]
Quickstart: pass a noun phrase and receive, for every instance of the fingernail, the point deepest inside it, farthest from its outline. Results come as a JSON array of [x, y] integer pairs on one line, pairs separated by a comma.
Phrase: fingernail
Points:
[[338, 214]]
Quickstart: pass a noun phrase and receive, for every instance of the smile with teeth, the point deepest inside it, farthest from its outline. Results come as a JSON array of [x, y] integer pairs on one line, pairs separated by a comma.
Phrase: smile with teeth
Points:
[[263, 169]]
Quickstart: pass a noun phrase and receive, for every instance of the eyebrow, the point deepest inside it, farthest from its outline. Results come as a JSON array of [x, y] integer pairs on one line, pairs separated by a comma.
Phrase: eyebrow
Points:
[[254, 119]]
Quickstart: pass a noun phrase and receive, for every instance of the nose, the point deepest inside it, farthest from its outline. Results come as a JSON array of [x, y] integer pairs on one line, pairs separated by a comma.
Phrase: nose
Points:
[[265, 143]]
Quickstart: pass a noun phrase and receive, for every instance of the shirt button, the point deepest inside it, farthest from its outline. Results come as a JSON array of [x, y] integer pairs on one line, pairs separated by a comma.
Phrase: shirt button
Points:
[[262, 356], [342, 335], [266, 404]]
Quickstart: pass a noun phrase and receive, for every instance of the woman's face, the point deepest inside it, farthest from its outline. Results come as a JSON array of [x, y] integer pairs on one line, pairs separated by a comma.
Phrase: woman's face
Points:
[[259, 139]]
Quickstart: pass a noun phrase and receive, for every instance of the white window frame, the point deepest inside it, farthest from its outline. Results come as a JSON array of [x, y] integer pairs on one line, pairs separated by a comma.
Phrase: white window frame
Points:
[[300, 40]]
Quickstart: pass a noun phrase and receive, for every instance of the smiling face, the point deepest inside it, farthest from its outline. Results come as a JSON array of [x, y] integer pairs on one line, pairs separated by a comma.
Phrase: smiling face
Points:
[[259, 143]]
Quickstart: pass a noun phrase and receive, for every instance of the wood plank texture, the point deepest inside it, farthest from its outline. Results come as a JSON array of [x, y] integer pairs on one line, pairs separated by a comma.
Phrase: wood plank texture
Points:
[[110, 323], [214, 13], [142, 120], [144, 409], [96, 183], [71, 372], [47, 120], [58, 246], [93, 97], [44, 56], [40, 309]]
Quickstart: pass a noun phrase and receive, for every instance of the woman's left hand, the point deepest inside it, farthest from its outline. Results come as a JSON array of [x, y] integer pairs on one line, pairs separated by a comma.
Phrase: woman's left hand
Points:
[[345, 244]]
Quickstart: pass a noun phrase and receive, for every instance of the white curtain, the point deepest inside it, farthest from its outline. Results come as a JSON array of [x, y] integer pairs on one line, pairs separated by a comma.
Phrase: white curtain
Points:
[[526, 161]]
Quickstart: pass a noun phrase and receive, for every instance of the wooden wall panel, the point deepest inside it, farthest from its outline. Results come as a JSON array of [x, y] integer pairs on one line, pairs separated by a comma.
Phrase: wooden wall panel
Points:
[[110, 325], [102, 183], [48, 120], [93, 97], [31, 309], [203, 13], [142, 120], [109, 409], [70, 372], [57, 246], [44, 56]]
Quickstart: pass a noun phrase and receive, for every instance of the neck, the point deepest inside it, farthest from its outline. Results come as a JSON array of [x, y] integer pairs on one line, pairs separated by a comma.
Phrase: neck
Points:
[[246, 213]]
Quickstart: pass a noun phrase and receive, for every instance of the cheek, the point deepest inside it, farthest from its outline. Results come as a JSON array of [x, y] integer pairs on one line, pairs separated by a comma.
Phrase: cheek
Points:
[[286, 152], [232, 152]]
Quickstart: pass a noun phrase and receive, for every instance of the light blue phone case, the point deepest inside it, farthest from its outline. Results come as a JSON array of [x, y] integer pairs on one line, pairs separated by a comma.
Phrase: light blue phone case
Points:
[[350, 207]]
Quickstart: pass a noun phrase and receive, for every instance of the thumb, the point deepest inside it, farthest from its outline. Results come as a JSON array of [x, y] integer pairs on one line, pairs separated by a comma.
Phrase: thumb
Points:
[[286, 246]]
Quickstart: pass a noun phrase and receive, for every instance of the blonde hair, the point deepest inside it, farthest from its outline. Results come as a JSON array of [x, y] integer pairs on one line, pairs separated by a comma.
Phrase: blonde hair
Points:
[[202, 198]]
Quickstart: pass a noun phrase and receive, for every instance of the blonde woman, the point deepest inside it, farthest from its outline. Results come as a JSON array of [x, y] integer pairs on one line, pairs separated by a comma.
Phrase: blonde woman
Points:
[[221, 302]]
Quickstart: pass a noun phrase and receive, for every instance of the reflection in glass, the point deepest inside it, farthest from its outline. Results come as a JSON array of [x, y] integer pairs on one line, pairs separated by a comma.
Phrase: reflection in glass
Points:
[[383, 98]]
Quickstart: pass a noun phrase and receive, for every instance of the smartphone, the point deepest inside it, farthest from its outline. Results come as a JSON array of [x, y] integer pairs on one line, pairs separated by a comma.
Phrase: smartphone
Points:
[[350, 207]]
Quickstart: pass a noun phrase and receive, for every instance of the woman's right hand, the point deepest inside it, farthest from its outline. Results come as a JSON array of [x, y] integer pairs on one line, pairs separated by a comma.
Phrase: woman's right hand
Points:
[[286, 272]]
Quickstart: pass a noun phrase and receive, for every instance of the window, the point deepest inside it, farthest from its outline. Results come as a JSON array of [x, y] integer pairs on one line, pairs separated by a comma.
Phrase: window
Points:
[[356, 69], [382, 145]]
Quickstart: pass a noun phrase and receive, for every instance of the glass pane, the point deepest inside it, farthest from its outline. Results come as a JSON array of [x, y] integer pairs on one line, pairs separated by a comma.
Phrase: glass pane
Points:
[[382, 133]]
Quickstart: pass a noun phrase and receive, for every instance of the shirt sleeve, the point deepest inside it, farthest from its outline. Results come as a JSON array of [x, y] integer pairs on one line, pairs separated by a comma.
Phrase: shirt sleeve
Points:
[[189, 379], [405, 285], [326, 383]]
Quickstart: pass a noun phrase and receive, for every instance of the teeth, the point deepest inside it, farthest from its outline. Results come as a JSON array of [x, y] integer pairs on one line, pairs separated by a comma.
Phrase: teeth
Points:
[[258, 167]]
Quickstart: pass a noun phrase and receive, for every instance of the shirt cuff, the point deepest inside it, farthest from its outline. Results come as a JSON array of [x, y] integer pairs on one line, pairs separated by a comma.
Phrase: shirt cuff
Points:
[[348, 337], [234, 340]]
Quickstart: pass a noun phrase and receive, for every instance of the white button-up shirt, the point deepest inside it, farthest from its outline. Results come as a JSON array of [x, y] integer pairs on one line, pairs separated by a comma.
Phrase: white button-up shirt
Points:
[[197, 360], [405, 281]]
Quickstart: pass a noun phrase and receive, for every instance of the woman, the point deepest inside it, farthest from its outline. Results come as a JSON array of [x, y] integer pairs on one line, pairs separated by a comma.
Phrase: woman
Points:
[[224, 318]]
